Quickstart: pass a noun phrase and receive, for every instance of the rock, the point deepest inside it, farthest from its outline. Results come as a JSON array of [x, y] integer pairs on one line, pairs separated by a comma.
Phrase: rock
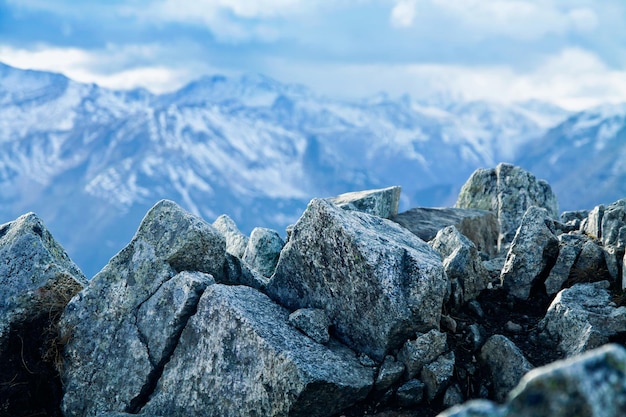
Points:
[[115, 353], [236, 241], [590, 265], [438, 374], [462, 264], [506, 364], [382, 203], [237, 272], [453, 396], [313, 322], [239, 356], [475, 408], [570, 247], [377, 282], [509, 191], [37, 280], [513, 327], [534, 249], [574, 218], [494, 268], [422, 351], [411, 393], [389, 373], [263, 250], [592, 225], [448, 323], [614, 224], [591, 385], [581, 318], [479, 226]]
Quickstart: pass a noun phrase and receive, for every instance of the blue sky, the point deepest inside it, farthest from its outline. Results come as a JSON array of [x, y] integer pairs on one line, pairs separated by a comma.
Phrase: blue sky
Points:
[[571, 52]]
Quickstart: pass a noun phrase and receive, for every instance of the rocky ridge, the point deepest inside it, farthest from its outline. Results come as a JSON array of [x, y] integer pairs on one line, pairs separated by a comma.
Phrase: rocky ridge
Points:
[[509, 309]]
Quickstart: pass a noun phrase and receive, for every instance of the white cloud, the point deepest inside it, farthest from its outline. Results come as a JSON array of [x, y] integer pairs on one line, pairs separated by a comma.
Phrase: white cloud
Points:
[[403, 13]]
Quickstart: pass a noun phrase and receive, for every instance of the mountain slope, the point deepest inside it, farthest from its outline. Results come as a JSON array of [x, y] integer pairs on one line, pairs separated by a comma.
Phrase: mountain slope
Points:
[[91, 161]]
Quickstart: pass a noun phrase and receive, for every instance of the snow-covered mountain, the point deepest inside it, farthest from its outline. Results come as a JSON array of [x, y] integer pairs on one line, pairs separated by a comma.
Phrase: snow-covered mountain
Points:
[[91, 161]]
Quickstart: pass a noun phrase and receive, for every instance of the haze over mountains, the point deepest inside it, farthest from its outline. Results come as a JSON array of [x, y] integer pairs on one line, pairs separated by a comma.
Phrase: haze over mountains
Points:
[[91, 161]]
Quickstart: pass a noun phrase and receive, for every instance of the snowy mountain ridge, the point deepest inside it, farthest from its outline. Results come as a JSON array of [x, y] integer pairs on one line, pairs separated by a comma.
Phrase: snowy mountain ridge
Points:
[[84, 157]]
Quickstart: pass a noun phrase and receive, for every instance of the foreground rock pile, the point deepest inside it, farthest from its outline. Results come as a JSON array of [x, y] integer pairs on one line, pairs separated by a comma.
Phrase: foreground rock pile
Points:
[[497, 307]]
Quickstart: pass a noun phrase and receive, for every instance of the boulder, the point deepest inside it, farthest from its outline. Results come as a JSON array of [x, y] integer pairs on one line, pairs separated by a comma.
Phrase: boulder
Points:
[[508, 191], [479, 226], [438, 374], [570, 247], [313, 322], [236, 241], [263, 250], [115, 350], [613, 221], [422, 351], [534, 249], [377, 282], [382, 203], [238, 356], [591, 385], [462, 263], [506, 363], [582, 317], [37, 280]]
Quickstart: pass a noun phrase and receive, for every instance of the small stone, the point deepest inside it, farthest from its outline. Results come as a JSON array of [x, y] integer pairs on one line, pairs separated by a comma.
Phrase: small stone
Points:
[[448, 323], [453, 396], [506, 364], [411, 393], [366, 361], [513, 327], [476, 309], [421, 351], [438, 374], [390, 372]]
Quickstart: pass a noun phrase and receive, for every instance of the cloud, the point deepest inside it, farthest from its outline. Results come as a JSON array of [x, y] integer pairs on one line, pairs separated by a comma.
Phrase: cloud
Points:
[[403, 13]]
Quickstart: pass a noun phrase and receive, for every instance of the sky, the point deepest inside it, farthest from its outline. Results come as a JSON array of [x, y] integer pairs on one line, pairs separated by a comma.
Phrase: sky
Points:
[[569, 52]]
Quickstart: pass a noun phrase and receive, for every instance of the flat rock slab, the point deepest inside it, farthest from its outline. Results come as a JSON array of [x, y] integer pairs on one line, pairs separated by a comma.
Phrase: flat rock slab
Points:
[[383, 202], [378, 283], [238, 356]]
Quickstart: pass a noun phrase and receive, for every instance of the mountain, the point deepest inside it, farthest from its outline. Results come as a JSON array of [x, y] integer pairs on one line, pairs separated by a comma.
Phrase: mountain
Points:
[[91, 161]]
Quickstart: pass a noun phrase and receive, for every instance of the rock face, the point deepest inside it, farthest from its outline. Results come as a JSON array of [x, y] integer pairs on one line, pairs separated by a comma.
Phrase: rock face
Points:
[[508, 191], [581, 318], [533, 251], [462, 263], [116, 349], [37, 280], [239, 356], [377, 282], [479, 226], [382, 203]]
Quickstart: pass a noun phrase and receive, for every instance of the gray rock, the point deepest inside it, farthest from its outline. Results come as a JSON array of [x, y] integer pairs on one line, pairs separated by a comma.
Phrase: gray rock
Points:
[[263, 250], [582, 318], [574, 218], [377, 282], [534, 248], [237, 272], [508, 191], [592, 225], [570, 247], [462, 264], [494, 267], [115, 353], [411, 393], [239, 356], [475, 408], [389, 373], [438, 374], [236, 241], [453, 396], [313, 322], [479, 226], [36, 275], [614, 224], [382, 203], [506, 364], [590, 264], [422, 351], [590, 385]]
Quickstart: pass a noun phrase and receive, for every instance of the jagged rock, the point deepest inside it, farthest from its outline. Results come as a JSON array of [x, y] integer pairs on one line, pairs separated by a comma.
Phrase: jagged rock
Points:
[[574, 218], [479, 226], [37, 280], [313, 322], [422, 351], [533, 250], [382, 203], [114, 353], [570, 247], [506, 363], [475, 408], [239, 356], [377, 282], [614, 224], [236, 241], [582, 318], [389, 373], [438, 374], [591, 385], [237, 272], [411, 393], [453, 396], [592, 225], [263, 250], [462, 264], [508, 191]]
